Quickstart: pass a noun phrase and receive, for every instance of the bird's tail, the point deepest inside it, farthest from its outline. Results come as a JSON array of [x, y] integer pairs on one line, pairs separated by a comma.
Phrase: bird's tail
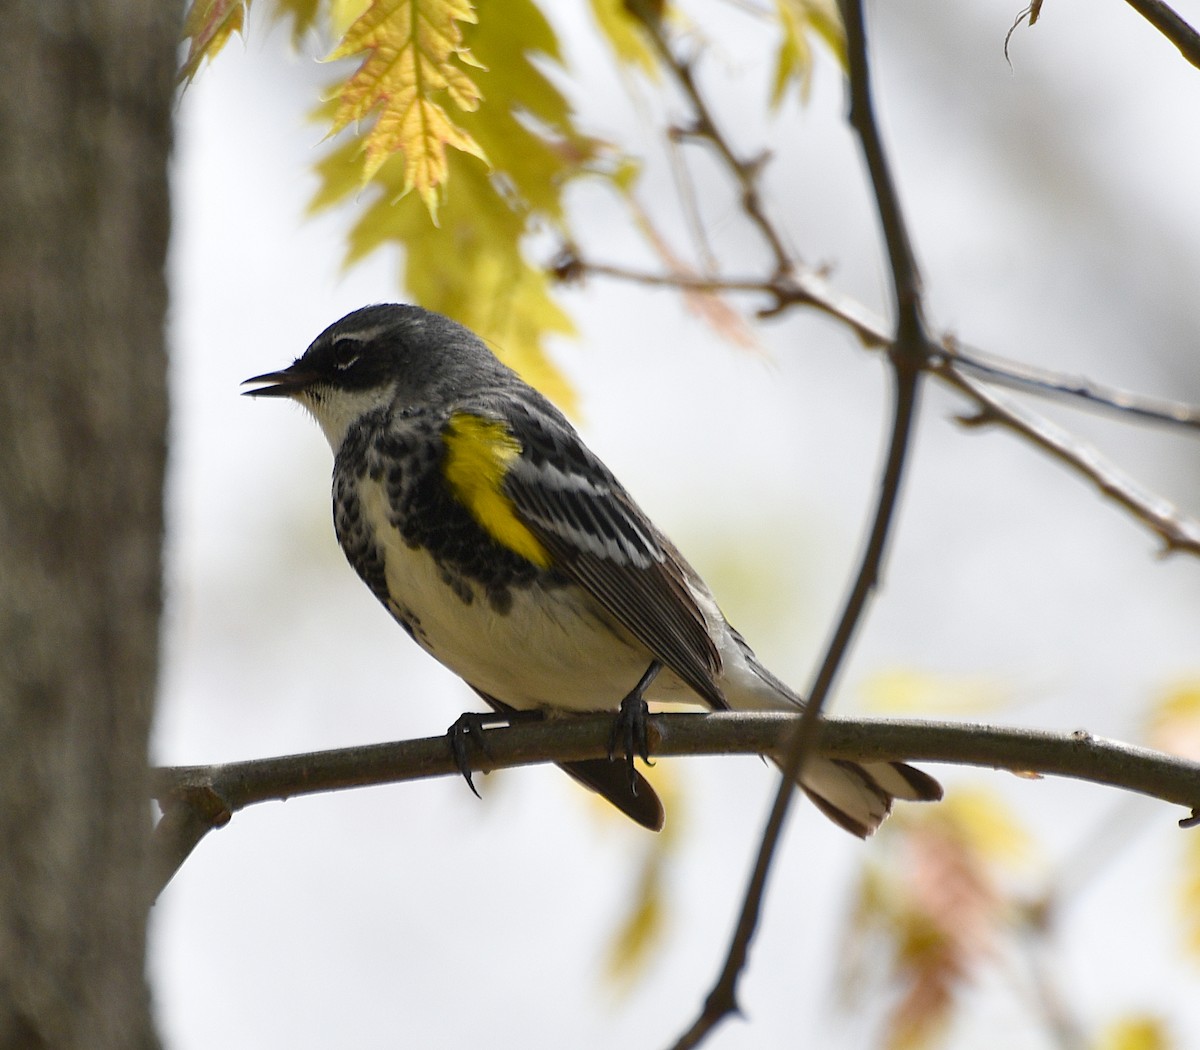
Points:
[[856, 796]]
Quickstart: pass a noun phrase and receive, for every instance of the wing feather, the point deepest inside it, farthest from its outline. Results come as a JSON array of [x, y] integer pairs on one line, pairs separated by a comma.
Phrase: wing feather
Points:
[[602, 540]]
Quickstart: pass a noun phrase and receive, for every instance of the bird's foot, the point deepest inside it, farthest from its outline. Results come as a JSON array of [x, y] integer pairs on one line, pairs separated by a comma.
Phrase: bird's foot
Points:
[[469, 728], [629, 735]]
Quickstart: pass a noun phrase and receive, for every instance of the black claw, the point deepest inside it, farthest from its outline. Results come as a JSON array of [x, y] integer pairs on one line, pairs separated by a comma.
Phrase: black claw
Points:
[[630, 727], [470, 726]]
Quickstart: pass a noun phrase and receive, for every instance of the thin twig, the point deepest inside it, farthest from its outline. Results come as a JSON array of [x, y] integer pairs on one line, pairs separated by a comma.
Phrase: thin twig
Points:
[[907, 354], [1047, 383], [811, 288], [1177, 532], [1172, 26], [704, 126], [198, 799]]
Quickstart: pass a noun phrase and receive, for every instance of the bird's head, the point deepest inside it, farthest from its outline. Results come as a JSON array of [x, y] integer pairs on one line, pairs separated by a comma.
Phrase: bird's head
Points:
[[374, 358]]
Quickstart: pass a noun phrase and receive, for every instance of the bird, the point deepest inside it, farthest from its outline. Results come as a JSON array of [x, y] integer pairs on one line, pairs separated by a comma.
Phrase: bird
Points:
[[508, 551]]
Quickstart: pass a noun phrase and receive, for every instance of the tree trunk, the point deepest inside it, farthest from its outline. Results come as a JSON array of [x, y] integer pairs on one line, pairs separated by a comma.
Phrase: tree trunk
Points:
[[85, 109]]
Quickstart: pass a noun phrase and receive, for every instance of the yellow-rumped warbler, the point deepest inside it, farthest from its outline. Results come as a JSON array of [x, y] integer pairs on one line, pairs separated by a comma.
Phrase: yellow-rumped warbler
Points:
[[509, 552]]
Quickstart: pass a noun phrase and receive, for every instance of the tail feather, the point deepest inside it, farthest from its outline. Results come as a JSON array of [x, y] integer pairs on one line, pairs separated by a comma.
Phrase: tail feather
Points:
[[857, 796], [900, 780], [633, 797]]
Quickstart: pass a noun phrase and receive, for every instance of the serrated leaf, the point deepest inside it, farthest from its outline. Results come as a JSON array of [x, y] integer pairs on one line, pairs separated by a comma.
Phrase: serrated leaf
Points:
[[469, 267], [473, 266], [798, 20], [207, 27], [414, 54], [344, 13]]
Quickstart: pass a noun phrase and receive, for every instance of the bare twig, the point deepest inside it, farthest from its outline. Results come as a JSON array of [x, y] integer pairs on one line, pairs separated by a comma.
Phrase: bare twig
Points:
[[907, 354], [1177, 532], [911, 352], [1047, 383], [1174, 28], [197, 799], [811, 288], [704, 126]]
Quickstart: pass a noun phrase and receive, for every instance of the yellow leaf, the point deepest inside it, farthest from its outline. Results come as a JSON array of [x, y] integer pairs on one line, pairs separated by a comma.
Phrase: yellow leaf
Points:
[[1139, 1032], [625, 35], [412, 48], [1174, 722], [797, 19], [641, 931], [344, 13], [905, 690], [207, 27], [986, 825], [469, 267], [1189, 896], [473, 266], [303, 14]]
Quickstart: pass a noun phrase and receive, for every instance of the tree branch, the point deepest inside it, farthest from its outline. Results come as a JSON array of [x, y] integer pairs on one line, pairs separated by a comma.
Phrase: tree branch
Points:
[[1047, 383], [1178, 532], [809, 287], [197, 799]]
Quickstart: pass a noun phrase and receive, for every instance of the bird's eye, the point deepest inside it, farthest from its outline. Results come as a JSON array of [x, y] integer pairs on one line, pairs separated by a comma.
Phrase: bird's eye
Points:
[[345, 353]]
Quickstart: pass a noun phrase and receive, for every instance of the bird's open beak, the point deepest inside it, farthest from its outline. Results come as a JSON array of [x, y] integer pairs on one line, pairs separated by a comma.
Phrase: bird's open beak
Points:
[[288, 383]]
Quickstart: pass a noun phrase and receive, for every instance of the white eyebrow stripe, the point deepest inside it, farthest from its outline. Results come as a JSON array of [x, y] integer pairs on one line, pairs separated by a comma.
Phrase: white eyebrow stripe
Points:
[[362, 335]]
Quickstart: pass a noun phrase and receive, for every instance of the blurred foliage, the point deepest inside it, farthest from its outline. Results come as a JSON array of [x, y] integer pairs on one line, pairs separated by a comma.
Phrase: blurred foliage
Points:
[[800, 20], [1173, 726], [1136, 1033], [207, 27], [901, 690], [931, 905], [640, 931], [1174, 720]]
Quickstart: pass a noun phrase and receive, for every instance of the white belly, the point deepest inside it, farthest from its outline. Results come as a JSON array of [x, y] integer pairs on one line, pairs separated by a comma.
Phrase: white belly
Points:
[[554, 648]]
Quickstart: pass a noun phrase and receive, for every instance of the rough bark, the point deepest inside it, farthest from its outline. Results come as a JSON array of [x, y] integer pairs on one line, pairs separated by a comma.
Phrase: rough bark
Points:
[[85, 111]]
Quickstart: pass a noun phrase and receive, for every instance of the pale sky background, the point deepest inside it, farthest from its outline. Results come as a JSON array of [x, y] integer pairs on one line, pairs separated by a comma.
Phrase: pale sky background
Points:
[[1055, 212]]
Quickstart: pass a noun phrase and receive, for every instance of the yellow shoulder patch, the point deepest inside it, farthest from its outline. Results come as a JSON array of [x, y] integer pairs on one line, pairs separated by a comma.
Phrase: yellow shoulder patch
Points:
[[478, 454]]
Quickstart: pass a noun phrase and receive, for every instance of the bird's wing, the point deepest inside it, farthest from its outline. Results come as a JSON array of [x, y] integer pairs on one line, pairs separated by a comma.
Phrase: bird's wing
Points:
[[601, 539]]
